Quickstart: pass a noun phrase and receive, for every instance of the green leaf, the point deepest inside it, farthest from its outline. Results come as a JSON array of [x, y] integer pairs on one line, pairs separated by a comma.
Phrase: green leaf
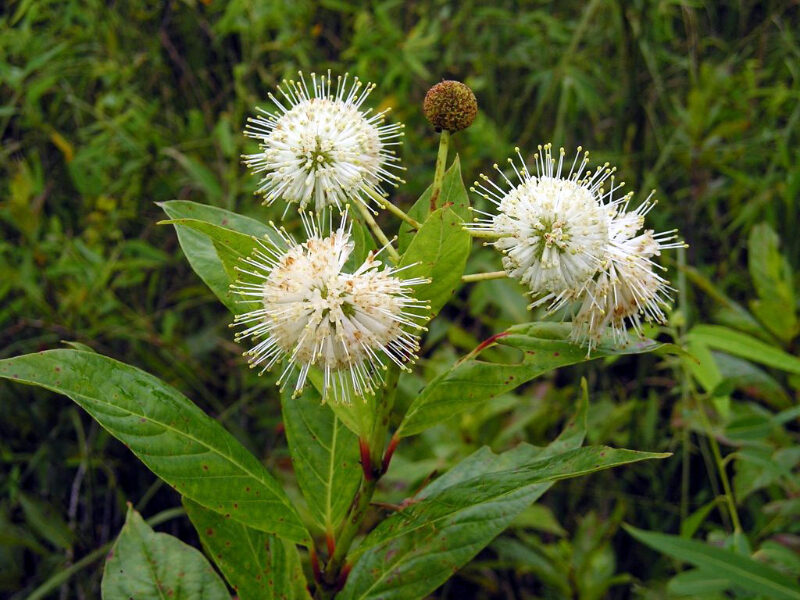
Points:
[[199, 248], [692, 523], [257, 565], [173, 437], [697, 583], [241, 244], [200, 175], [471, 382], [42, 518], [741, 571], [773, 279], [364, 243], [325, 456], [145, 565], [358, 415], [415, 550], [744, 346], [453, 194], [439, 252]]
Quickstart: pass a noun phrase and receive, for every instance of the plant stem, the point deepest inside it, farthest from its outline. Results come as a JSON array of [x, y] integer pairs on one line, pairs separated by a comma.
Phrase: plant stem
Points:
[[723, 474], [378, 232], [351, 525], [484, 276], [395, 210], [441, 163], [487, 235], [683, 306]]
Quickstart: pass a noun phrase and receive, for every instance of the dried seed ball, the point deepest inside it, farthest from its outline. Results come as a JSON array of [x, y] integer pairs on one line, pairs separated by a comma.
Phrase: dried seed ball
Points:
[[450, 105]]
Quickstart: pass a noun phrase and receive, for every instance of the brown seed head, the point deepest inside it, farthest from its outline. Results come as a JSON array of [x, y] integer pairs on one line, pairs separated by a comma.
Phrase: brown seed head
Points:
[[450, 105]]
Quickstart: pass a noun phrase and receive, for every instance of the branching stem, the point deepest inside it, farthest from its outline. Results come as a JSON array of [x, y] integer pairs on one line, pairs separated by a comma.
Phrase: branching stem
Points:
[[378, 232], [395, 210]]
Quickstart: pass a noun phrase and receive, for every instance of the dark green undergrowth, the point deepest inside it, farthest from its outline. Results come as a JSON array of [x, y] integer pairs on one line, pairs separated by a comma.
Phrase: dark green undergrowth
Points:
[[107, 108]]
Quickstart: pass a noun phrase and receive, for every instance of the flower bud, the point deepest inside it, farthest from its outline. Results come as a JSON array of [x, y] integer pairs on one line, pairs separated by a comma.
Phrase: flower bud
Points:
[[450, 105]]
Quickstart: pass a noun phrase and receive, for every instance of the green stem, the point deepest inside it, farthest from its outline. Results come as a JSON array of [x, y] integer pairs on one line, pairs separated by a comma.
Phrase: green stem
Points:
[[395, 210], [486, 235], [351, 525], [723, 474], [484, 276], [683, 305], [378, 232], [441, 163]]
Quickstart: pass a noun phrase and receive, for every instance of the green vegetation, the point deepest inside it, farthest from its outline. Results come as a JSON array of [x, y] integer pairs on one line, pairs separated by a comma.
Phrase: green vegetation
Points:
[[109, 111]]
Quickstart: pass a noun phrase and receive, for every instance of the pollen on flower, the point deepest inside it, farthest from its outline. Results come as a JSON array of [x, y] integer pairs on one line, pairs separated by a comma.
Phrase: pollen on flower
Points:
[[551, 226], [311, 313], [568, 235], [320, 147], [627, 291]]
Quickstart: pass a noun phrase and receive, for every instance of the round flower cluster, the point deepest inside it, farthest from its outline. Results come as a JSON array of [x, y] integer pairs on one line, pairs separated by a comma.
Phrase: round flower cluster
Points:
[[321, 147], [567, 234], [311, 312]]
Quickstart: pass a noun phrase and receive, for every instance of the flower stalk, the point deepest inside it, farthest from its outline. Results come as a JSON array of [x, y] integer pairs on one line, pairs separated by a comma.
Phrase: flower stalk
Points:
[[378, 232], [395, 210], [441, 163], [374, 464], [484, 276]]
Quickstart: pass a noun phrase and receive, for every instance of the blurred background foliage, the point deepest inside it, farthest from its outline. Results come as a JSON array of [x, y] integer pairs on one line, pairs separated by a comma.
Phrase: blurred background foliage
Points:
[[107, 108]]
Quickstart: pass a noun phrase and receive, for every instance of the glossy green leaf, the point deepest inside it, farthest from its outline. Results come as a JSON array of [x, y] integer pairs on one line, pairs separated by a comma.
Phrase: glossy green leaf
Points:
[[741, 571], [439, 252], [745, 346], [471, 381], [257, 565], [145, 565], [415, 550], [453, 195], [173, 437], [199, 247], [240, 243], [325, 456]]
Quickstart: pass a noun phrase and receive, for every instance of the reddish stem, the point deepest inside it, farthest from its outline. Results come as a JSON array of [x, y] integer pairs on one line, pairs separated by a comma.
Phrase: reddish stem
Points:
[[330, 542], [366, 461], [315, 565], [387, 457], [343, 576]]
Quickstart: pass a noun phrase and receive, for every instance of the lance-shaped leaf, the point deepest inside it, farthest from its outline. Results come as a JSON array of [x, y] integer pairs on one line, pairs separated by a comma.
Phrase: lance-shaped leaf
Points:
[[471, 381], [146, 565], [199, 247], [414, 551], [325, 456], [745, 346], [172, 436], [453, 195], [741, 571], [257, 565], [439, 252]]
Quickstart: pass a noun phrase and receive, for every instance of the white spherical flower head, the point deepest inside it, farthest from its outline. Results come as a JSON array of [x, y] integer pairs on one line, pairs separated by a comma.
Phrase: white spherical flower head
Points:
[[552, 226], [628, 290], [313, 314], [320, 147]]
